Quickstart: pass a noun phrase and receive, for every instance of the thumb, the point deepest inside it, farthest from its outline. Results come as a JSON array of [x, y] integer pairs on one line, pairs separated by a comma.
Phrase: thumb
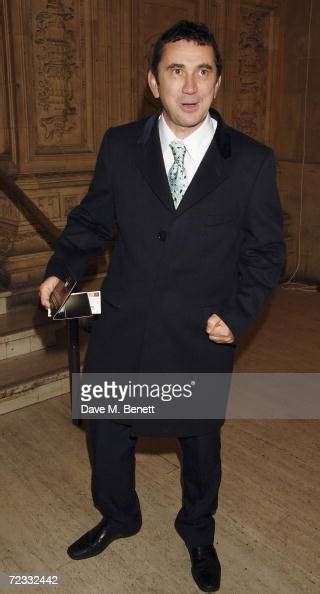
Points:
[[212, 322]]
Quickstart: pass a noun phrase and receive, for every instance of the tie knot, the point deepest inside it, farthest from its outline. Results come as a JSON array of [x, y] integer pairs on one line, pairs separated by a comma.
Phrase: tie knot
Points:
[[178, 150]]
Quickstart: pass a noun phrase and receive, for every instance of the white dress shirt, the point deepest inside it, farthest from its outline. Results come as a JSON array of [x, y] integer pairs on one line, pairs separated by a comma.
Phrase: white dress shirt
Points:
[[197, 144]]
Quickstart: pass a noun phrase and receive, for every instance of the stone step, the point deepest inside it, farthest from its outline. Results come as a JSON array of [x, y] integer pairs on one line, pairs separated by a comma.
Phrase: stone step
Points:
[[33, 349], [18, 298], [34, 377], [27, 330], [4, 296]]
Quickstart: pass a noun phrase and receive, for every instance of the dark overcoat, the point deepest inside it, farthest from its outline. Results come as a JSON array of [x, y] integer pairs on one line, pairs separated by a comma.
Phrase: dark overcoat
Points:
[[220, 252]]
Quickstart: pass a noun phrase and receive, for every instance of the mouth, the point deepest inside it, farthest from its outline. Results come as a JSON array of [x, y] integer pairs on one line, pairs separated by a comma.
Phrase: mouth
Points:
[[189, 107]]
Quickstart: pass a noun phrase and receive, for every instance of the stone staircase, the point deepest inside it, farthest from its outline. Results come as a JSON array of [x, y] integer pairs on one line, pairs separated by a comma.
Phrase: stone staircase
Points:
[[33, 350]]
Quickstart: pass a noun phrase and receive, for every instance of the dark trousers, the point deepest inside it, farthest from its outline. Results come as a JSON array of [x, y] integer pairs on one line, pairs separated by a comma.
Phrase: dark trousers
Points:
[[112, 450]]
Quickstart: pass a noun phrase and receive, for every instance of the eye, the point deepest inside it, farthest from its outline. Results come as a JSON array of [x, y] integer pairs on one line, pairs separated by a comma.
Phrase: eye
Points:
[[177, 71], [204, 72]]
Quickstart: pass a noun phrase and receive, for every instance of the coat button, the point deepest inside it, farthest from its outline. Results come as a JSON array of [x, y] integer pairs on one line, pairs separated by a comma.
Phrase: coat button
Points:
[[162, 235]]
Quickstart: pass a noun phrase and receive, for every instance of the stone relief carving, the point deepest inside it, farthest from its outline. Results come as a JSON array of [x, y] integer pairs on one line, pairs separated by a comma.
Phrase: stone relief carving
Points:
[[56, 68], [250, 111], [68, 203], [7, 237], [49, 205], [25, 235]]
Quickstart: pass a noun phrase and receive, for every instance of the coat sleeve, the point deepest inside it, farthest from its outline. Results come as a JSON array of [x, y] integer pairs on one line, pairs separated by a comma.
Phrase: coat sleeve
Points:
[[89, 225], [262, 253]]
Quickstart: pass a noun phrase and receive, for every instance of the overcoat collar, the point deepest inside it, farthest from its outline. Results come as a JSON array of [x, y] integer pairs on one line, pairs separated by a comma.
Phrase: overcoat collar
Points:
[[211, 173]]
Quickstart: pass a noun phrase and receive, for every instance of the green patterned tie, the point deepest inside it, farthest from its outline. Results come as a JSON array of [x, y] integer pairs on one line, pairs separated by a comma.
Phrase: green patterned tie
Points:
[[177, 175]]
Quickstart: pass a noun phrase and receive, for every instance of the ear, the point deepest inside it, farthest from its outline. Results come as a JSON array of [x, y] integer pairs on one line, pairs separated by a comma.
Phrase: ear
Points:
[[216, 87], [152, 82]]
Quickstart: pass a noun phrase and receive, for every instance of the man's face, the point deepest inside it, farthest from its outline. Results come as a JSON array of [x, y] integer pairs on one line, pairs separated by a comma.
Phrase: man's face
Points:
[[187, 84]]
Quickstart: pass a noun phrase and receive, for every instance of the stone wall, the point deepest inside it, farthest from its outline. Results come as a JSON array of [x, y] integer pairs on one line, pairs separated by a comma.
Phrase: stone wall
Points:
[[71, 68]]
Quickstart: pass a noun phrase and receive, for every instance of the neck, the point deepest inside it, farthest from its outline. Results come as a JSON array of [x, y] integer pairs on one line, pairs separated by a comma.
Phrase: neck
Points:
[[182, 132]]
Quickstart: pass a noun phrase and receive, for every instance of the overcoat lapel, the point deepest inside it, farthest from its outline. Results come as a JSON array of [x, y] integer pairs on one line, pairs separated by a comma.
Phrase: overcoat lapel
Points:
[[149, 159], [208, 177], [213, 169]]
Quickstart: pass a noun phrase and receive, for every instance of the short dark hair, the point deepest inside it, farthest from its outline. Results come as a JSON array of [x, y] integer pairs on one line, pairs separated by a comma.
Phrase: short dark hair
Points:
[[188, 31]]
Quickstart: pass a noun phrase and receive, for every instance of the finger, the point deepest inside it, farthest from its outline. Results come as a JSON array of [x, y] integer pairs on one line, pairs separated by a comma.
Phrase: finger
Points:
[[44, 294], [44, 298], [219, 335], [221, 330], [46, 289], [220, 339]]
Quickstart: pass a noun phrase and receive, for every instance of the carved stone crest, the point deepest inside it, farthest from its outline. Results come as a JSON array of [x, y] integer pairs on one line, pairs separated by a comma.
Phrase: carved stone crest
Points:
[[55, 70], [250, 111]]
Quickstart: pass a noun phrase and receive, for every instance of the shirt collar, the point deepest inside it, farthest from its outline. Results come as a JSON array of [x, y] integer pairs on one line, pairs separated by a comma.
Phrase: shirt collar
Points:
[[195, 141]]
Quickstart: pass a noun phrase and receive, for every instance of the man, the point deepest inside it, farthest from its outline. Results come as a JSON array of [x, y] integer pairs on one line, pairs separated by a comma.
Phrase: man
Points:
[[193, 207]]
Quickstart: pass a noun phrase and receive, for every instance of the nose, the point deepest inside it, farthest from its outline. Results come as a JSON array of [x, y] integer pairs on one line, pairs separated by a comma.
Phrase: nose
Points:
[[189, 86]]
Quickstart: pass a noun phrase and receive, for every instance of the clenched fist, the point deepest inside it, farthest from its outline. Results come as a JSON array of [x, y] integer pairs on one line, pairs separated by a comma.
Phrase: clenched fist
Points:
[[218, 331]]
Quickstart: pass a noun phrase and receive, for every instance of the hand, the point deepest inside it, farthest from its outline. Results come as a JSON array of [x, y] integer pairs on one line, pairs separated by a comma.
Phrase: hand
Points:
[[218, 331], [46, 289]]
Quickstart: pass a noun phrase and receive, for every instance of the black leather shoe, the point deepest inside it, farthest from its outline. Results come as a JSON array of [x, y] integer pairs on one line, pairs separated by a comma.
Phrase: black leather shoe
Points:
[[96, 540], [205, 568]]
